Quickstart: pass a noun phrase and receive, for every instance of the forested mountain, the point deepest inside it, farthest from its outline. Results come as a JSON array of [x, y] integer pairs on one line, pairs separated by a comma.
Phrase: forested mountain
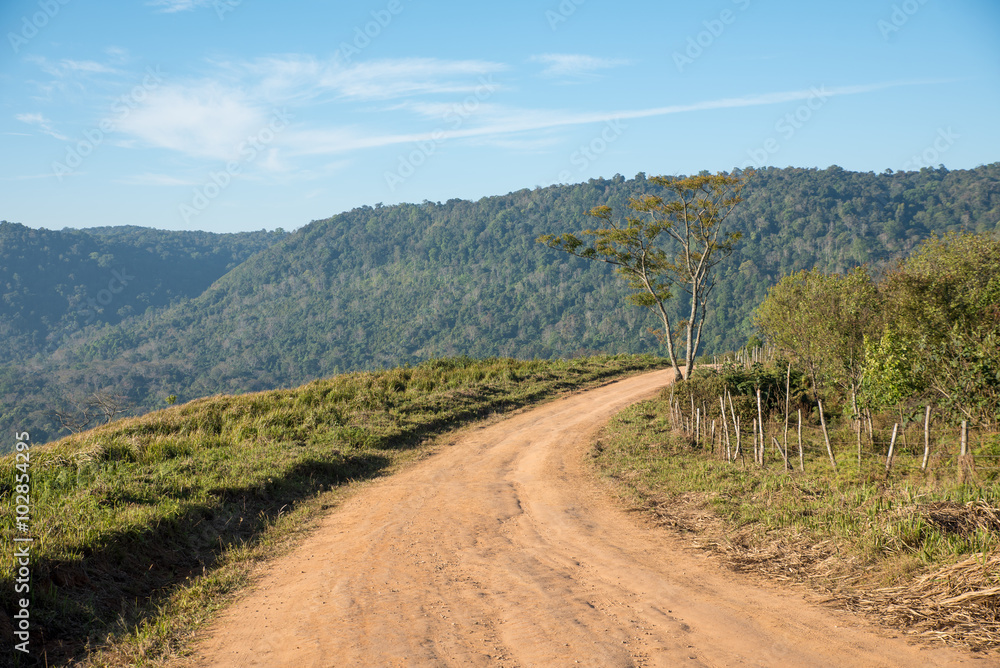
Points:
[[383, 286], [53, 283]]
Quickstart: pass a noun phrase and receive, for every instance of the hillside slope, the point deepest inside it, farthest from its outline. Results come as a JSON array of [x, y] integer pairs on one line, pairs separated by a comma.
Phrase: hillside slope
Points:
[[377, 287], [56, 282]]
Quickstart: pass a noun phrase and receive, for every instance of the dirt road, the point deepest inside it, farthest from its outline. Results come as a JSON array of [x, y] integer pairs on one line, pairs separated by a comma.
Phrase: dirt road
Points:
[[501, 550]]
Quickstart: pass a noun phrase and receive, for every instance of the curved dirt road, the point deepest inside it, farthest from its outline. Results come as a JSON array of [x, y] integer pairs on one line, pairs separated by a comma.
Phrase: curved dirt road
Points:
[[501, 550]]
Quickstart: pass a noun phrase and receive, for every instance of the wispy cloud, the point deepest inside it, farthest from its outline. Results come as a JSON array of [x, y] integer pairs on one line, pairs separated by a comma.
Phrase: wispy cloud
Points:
[[67, 67], [148, 179], [342, 140], [171, 6], [211, 117], [574, 65], [43, 124], [307, 77]]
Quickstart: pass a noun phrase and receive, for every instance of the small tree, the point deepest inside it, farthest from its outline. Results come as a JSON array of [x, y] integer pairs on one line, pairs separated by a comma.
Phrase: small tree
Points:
[[667, 241], [820, 321], [100, 407]]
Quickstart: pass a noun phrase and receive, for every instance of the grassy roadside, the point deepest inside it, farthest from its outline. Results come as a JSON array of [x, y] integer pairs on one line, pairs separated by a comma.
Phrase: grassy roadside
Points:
[[144, 527], [919, 554]]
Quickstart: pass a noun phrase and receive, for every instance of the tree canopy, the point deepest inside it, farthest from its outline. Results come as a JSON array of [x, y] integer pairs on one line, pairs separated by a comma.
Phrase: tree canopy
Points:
[[674, 239]]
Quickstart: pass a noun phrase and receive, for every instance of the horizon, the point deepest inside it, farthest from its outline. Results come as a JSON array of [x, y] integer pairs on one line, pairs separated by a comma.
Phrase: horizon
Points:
[[470, 200], [225, 116]]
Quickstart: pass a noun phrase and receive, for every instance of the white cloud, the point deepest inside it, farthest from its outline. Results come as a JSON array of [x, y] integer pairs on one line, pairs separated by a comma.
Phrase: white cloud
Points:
[[44, 124], [206, 120], [521, 145], [412, 76], [306, 77], [574, 64]]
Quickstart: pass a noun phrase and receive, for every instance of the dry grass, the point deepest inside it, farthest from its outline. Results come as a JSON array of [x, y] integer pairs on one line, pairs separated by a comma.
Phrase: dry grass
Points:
[[958, 603]]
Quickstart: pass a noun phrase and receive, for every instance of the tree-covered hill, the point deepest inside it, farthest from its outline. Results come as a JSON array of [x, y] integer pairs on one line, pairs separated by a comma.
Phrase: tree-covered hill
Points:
[[378, 287], [54, 283]]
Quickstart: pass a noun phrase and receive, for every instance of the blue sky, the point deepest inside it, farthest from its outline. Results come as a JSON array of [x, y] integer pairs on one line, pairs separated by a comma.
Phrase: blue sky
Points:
[[228, 115]]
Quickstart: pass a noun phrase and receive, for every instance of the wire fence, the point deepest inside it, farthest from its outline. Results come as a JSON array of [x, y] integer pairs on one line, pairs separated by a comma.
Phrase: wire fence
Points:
[[798, 443]]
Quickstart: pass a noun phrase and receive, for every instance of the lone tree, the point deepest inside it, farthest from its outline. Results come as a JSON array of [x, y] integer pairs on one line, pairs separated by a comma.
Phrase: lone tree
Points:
[[667, 241], [100, 407]]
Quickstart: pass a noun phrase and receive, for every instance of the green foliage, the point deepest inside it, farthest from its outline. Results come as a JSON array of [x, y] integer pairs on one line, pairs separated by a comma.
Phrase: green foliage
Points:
[[941, 309], [54, 283], [888, 378], [944, 301], [676, 239], [741, 383], [820, 321]]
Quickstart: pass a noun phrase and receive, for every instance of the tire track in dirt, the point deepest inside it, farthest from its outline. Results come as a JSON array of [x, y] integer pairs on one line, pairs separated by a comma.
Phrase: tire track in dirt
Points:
[[502, 550]]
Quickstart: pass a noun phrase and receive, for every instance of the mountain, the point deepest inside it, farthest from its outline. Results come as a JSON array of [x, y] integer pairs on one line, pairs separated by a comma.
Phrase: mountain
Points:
[[381, 286], [53, 283]]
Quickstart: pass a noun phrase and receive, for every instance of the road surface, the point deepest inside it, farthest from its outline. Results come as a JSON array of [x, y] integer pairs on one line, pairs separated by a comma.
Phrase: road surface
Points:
[[502, 550]]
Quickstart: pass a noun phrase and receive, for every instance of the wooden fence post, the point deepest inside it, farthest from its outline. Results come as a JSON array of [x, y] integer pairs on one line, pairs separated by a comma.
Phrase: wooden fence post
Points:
[[784, 453], [725, 426], [788, 389], [826, 436], [760, 424], [892, 447], [802, 464], [736, 427], [927, 437], [963, 457], [857, 416]]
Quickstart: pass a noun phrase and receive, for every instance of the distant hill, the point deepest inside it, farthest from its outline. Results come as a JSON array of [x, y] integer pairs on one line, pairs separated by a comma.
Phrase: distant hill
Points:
[[377, 287], [54, 283]]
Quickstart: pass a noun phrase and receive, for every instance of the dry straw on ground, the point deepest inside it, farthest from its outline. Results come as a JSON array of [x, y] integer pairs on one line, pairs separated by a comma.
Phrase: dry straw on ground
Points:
[[958, 603]]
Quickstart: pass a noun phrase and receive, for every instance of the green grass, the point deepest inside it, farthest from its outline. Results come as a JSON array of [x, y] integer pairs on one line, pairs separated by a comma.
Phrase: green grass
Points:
[[883, 526], [145, 526]]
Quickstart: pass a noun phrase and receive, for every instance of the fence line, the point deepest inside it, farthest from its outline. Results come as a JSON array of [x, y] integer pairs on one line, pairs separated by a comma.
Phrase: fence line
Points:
[[721, 433]]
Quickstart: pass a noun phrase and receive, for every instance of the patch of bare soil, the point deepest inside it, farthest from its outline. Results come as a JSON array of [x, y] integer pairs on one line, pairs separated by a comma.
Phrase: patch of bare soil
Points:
[[503, 550]]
